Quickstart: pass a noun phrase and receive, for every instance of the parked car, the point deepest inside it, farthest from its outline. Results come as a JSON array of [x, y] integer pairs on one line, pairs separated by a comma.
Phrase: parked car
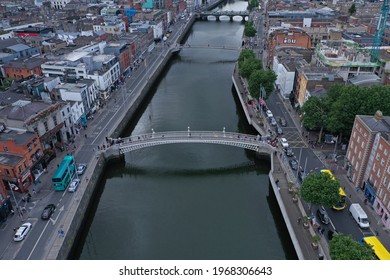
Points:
[[73, 185], [22, 231], [273, 121], [278, 130], [283, 142], [48, 211], [81, 168], [269, 114], [294, 164], [282, 122], [289, 152], [323, 216]]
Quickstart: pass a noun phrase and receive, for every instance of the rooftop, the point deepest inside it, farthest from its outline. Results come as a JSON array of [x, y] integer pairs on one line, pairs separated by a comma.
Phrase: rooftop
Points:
[[21, 138], [377, 123]]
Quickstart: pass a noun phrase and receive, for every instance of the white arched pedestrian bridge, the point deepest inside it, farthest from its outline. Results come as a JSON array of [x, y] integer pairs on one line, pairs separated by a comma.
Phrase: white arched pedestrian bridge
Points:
[[245, 141]]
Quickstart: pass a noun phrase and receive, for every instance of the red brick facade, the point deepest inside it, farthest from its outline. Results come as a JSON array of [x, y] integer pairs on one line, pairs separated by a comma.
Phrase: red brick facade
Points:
[[20, 157]]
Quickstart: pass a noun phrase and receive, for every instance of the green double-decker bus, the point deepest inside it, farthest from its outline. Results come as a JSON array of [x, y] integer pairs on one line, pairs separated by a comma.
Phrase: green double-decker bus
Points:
[[64, 174]]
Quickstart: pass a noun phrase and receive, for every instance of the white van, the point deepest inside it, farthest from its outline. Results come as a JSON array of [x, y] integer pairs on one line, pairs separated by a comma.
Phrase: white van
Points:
[[359, 215]]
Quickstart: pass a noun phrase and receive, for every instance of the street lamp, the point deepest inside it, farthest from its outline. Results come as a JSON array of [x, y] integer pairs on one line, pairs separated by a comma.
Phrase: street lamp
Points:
[[12, 186]]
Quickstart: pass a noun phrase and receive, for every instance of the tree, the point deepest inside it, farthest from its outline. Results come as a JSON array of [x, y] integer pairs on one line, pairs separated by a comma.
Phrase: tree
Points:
[[265, 78], [249, 30], [315, 113], [320, 189], [252, 4], [250, 65], [246, 54], [352, 9], [343, 247]]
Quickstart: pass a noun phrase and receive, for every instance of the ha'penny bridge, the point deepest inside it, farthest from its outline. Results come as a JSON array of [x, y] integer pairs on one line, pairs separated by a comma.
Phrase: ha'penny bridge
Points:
[[255, 143]]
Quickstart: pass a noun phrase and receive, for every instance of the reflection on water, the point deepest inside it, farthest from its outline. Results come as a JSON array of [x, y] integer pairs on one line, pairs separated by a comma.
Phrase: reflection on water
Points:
[[189, 201]]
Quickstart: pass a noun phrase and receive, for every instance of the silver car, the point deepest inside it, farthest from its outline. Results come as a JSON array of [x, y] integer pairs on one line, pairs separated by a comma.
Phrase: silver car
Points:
[[22, 231], [73, 185]]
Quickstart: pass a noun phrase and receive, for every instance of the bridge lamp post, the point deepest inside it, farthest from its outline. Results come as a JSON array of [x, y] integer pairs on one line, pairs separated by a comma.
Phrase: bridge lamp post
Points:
[[188, 131], [223, 132], [153, 133]]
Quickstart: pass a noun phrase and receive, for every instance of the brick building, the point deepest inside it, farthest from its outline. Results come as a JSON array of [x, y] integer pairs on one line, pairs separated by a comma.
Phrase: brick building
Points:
[[23, 68], [20, 158], [368, 161], [287, 38]]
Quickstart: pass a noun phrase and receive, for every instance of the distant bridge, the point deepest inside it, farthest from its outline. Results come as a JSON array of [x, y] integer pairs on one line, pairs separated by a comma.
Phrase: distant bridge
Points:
[[217, 14], [245, 141], [188, 46]]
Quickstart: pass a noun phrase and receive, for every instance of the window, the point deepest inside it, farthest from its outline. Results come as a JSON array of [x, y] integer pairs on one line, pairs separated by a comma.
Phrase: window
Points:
[[385, 152], [36, 130], [46, 126], [383, 161], [377, 156], [358, 139], [29, 147], [55, 120], [363, 144], [6, 171], [63, 114], [5, 149], [20, 169], [374, 167], [380, 147], [354, 134], [35, 142], [379, 172]]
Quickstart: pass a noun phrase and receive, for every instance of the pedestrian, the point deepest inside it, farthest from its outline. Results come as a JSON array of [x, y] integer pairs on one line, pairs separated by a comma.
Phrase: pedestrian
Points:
[[86, 136], [34, 192], [299, 220], [277, 182], [14, 228], [365, 201]]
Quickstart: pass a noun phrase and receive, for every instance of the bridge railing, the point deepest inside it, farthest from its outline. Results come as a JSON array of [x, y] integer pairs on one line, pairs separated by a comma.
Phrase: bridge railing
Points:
[[199, 135]]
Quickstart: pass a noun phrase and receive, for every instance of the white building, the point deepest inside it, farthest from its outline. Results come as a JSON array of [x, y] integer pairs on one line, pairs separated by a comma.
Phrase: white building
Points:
[[117, 27], [59, 4], [85, 63]]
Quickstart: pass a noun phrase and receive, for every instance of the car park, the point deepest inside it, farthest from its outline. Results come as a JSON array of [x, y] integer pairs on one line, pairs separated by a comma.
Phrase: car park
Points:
[[81, 168], [294, 164], [289, 152], [323, 216], [74, 185], [22, 231], [282, 122], [48, 211], [283, 142], [269, 114]]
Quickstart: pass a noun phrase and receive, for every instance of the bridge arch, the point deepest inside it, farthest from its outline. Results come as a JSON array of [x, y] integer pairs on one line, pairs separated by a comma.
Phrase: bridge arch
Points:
[[255, 143]]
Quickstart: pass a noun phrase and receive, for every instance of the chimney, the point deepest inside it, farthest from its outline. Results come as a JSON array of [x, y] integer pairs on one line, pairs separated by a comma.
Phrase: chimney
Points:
[[378, 116]]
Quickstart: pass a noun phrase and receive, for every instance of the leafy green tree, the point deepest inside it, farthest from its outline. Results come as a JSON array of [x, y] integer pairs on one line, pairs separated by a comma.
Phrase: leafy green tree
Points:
[[315, 113], [352, 9], [246, 54], [249, 30], [265, 78], [250, 65], [320, 189], [252, 4], [343, 247]]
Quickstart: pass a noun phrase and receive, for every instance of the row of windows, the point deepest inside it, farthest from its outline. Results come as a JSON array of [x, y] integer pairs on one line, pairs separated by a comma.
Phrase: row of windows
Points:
[[29, 145]]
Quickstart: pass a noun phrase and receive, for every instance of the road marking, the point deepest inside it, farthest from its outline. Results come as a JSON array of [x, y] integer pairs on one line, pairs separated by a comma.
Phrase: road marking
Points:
[[40, 236]]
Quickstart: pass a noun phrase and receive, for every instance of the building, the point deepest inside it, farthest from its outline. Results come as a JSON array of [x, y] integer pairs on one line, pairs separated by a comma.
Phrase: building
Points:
[[368, 161], [346, 57], [313, 81], [291, 37], [59, 4], [23, 68], [43, 118], [285, 63], [125, 52], [32, 31], [21, 157]]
